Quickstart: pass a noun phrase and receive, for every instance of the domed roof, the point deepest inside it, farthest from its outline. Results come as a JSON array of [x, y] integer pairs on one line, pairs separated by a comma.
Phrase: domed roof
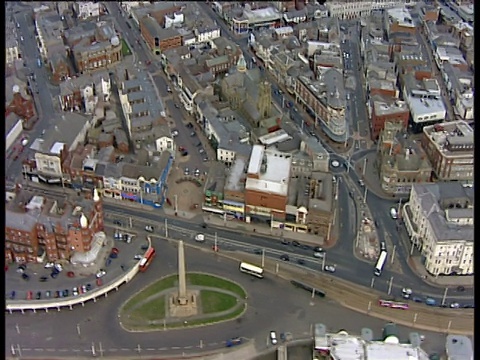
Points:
[[83, 221], [241, 64], [16, 88], [95, 195]]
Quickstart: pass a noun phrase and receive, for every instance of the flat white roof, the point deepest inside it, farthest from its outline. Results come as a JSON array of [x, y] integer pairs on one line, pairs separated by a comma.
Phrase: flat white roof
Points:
[[255, 159], [56, 148], [381, 351], [274, 179], [422, 107]]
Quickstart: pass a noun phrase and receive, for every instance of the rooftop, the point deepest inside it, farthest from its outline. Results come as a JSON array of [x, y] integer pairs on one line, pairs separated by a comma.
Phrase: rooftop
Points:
[[270, 170], [451, 138]]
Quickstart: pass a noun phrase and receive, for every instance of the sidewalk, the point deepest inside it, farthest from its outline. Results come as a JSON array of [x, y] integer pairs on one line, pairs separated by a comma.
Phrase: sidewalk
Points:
[[265, 230]]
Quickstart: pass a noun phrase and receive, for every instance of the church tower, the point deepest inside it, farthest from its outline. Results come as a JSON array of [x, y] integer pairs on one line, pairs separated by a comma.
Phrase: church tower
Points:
[[264, 104]]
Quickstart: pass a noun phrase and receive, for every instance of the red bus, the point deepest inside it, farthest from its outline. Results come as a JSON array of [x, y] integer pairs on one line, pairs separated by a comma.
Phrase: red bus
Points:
[[147, 259], [393, 304]]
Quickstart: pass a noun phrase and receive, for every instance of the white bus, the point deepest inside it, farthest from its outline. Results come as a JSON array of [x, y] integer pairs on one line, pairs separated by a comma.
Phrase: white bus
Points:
[[251, 269], [380, 263]]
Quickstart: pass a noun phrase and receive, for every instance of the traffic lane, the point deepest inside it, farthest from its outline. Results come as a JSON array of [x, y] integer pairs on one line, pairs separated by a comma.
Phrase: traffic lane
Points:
[[267, 300], [161, 84]]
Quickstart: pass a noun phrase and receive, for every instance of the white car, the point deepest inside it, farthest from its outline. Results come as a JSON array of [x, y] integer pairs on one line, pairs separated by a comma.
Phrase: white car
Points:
[[406, 293], [174, 133], [100, 274], [138, 257], [318, 254], [75, 291], [149, 228], [454, 305], [329, 268], [58, 267], [49, 265], [335, 163], [200, 238], [393, 213], [273, 337]]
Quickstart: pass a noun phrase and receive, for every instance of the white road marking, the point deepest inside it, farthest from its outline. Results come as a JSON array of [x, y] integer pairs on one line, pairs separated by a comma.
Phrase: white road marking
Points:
[[163, 348], [50, 349], [175, 347], [113, 350], [63, 350], [187, 347], [151, 349], [123, 349]]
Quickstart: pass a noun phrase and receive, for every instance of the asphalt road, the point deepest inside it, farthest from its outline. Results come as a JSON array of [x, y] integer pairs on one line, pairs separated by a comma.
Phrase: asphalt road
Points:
[[70, 333]]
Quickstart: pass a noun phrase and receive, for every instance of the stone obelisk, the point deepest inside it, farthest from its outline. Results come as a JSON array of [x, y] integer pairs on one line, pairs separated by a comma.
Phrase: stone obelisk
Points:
[[182, 285]]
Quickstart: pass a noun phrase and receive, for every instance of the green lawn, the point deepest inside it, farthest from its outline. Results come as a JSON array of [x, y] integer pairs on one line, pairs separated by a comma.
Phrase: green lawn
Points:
[[213, 301], [125, 49], [156, 287], [213, 281], [152, 310]]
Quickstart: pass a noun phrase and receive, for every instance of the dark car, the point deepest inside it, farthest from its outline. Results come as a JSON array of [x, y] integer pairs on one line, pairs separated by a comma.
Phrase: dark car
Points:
[[460, 288], [144, 247], [43, 278], [233, 341], [25, 277], [117, 222], [295, 243], [56, 294], [54, 274], [113, 256], [285, 257], [39, 295], [306, 247], [301, 261], [190, 125], [108, 262], [417, 299], [12, 295], [257, 251], [65, 293], [285, 242], [184, 153], [89, 287], [318, 249]]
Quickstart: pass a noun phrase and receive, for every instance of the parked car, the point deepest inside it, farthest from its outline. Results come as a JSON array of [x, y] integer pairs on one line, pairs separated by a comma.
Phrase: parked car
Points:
[[149, 228], [49, 265], [75, 291], [88, 287], [187, 171], [175, 133], [48, 294], [58, 267], [70, 274], [29, 295], [101, 273], [295, 243], [317, 254], [144, 247], [285, 242], [193, 133], [99, 282], [54, 274], [21, 268], [138, 257], [117, 222], [111, 256], [39, 295], [84, 289], [12, 295], [318, 249], [43, 278], [455, 305], [25, 277], [65, 293], [115, 250]]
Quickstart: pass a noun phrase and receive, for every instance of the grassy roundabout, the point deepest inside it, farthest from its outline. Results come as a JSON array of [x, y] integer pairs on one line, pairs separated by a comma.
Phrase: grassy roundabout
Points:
[[147, 310]]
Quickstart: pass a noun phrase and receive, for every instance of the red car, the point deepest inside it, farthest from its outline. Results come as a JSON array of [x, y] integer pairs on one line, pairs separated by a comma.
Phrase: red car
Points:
[[181, 148], [70, 274], [99, 282], [115, 251], [29, 295]]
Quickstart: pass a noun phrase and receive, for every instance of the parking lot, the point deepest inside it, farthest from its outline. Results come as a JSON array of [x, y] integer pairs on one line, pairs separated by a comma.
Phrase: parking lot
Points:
[[42, 282]]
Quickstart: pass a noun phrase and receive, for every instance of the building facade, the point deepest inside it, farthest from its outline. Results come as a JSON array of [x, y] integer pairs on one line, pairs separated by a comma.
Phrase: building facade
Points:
[[450, 149], [439, 220]]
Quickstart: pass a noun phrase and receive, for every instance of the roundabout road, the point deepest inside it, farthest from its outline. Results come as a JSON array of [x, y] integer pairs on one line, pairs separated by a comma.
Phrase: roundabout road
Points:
[[273, 304]]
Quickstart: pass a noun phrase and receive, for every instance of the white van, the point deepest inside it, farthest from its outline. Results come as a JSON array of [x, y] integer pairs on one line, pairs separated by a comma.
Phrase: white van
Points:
[[200, 238], [393, 213]]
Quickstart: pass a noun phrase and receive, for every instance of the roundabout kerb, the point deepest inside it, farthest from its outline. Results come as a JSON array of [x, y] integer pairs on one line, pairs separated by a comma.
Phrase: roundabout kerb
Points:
[[220, 300]]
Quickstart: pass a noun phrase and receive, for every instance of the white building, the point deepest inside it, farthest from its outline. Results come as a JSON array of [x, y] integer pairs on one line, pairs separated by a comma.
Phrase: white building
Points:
[[424, 111], [458, 347], [357, 9], [11, 50], [439, 220], [87, 9], [345, 346]]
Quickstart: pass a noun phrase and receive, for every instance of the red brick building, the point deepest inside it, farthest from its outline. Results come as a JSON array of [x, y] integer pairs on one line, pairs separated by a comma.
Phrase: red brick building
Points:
[[50, 228], [387, 109], [157, 38], [23, 108]]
